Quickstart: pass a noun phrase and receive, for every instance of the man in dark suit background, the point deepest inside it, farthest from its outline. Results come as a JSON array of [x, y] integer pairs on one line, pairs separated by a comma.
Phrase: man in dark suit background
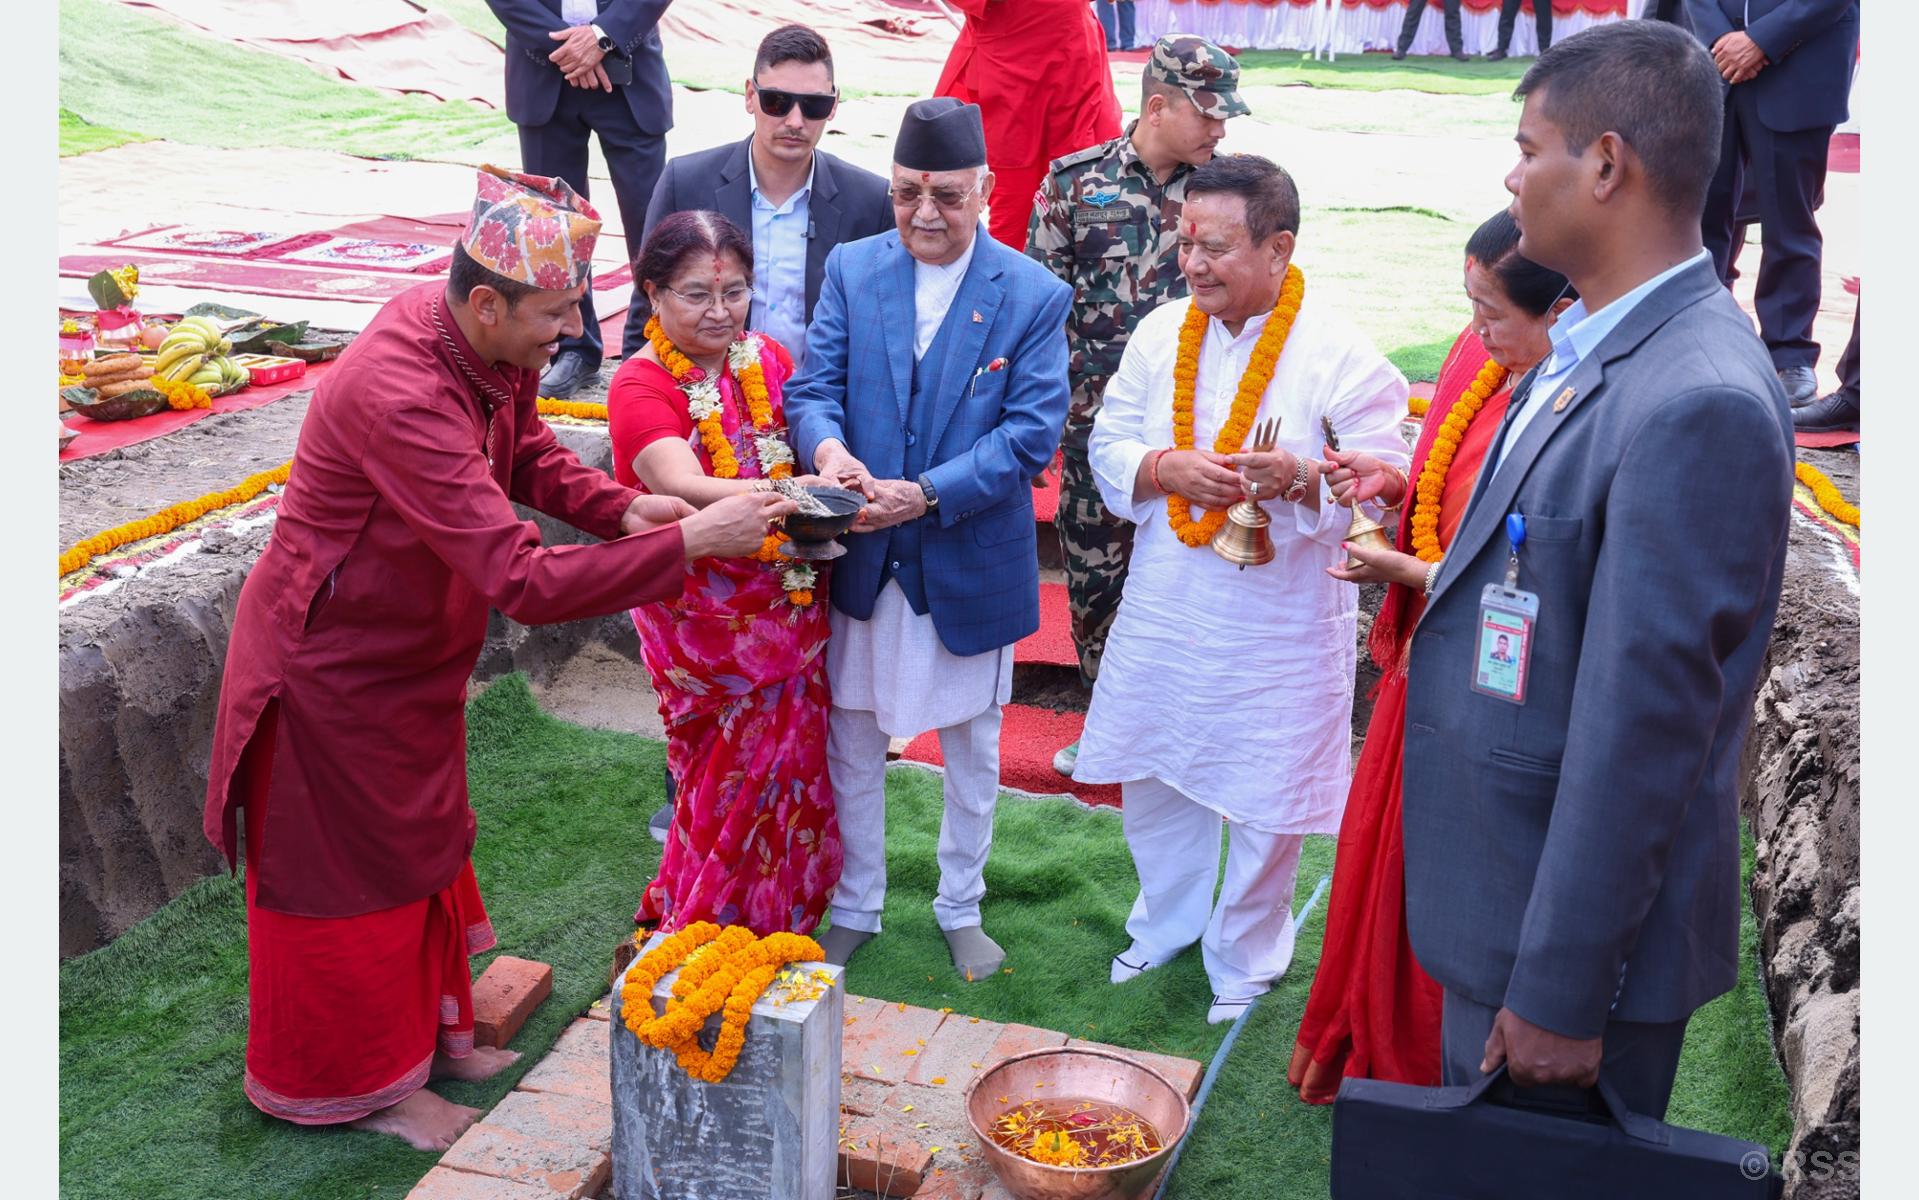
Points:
[[1572, 860], [796, 200], [1509, 16], [1788, 71], [575, 68], [1409, 29]]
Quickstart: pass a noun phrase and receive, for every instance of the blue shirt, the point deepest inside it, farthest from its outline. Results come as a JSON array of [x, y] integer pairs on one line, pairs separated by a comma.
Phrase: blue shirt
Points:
[[779, 263], [1576, 335]]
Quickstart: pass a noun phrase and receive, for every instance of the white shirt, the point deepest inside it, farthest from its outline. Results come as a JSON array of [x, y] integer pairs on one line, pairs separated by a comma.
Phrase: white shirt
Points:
[[933, 292], [1236, 687], [579, 12]]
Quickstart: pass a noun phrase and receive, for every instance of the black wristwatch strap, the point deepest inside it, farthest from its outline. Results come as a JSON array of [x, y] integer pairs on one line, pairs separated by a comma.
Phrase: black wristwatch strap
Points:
[[932, 495]]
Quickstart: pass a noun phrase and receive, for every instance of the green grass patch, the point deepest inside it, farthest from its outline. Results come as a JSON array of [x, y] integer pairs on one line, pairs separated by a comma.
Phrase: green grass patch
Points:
[[122, 68], [153, 1026], [1379, 73], [1395, 273], [474, 14], [77, 136]]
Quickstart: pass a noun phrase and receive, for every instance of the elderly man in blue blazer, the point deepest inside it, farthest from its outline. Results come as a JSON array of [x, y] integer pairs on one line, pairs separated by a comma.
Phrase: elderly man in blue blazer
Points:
[[1572, 819], [935, 383], [575, 68]]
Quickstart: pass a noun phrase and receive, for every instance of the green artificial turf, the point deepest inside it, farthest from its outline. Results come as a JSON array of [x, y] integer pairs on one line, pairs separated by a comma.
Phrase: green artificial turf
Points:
[[77, 136], [152, 1027], [1379, 73], [120, 67]]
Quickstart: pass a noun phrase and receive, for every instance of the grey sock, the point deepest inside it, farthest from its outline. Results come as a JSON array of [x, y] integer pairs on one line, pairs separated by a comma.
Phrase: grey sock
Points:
[[975, 956], [839, 943]]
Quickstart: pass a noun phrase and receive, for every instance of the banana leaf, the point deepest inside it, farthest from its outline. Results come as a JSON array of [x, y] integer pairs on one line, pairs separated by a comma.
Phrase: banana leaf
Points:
[[105, 290], [263, 341], [220, 314], [141, 402]]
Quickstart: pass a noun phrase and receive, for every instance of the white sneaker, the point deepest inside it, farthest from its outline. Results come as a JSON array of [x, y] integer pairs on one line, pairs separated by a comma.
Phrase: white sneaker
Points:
[[1224, 1011], [1130, 965], [1066, 760]]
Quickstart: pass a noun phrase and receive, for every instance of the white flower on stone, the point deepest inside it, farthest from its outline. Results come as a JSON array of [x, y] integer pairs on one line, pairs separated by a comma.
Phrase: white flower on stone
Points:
[[702, 399]]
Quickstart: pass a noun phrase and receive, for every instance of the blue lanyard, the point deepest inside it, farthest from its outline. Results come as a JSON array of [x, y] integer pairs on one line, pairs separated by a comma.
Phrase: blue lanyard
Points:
[[1515, 538]]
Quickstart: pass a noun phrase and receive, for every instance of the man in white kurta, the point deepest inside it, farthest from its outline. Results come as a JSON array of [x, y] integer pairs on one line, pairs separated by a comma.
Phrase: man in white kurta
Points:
[[1225, 694]]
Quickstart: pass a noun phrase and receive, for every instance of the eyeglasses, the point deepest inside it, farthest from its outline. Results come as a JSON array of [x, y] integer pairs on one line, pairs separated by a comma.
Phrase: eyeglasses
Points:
[[813, 105], [946, 197], [701, 301]]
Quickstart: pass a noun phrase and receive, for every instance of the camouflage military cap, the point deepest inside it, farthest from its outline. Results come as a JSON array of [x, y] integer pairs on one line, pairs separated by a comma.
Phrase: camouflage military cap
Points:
[[1208, 74]]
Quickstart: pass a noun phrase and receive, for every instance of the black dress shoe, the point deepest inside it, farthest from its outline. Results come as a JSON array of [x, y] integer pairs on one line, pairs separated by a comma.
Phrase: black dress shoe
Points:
[[1399, 55], [1461, 56], [1496, 56], [564, 375], [1802, 386], [1837, 413]]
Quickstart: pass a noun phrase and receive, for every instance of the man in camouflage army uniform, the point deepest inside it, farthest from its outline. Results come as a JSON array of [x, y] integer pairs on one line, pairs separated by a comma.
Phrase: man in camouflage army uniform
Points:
[[1106, 221]]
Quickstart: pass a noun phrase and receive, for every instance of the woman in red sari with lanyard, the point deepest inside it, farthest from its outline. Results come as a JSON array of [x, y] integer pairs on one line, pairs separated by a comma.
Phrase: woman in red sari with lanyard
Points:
[[1373, 1013], [739, 659]]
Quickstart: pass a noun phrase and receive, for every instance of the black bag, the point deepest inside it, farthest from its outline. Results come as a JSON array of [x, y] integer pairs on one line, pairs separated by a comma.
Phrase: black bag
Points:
[[1393, 1141]]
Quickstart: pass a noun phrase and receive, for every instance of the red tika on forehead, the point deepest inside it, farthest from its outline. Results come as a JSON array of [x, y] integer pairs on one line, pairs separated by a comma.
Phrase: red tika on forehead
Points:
[[1192, 229]]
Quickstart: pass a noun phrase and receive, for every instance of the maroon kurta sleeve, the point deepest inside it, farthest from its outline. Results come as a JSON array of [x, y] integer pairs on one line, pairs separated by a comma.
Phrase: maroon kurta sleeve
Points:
[[424, 462], [551, 478]]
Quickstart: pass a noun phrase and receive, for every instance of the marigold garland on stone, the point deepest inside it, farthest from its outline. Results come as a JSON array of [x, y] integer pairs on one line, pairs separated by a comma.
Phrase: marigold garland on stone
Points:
[[1252, 386], [725, 971], [1829, 497], [580, 409], [1439, 459], [168, 519]]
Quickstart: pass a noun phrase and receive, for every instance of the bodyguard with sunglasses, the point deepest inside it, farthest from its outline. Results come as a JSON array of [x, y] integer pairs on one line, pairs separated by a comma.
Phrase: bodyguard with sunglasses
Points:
[[798, 202]]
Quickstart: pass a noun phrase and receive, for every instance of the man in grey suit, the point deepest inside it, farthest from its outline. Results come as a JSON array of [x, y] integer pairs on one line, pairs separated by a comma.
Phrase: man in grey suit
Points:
[[1572, 859], [795, 200]]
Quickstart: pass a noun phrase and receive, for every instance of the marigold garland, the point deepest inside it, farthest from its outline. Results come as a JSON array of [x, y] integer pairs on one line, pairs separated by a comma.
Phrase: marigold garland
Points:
[[725, 971], [704, 406], [181, 395], [1252, 386], [1828, 494], [1417, 405], [580, 409], [1439, 459], [168, 519]]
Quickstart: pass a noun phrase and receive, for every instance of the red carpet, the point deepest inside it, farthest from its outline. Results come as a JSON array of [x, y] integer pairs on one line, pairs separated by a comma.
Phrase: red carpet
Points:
[[1842, 154], [1029, 737], [98, 437], [1052, 642], [1824, 441]]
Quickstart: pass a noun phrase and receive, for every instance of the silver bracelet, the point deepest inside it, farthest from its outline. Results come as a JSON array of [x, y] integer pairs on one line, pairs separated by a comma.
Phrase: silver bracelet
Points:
[[1432, 575]]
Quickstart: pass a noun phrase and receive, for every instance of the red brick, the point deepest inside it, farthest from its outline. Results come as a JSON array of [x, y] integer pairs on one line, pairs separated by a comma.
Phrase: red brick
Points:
[[1018, 1039], [562, 1170], [586, 1039], [878, 1036], [601, 1009], [1183, 1073], [444, 1183], [862, 1097], [948, 1185], [876, 1155], [571, 1075], [505, 996], [552, 1117], [957, 1051]]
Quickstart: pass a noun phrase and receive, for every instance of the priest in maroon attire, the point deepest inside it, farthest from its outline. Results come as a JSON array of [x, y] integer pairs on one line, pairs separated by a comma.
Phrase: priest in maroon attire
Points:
[[341, 731]]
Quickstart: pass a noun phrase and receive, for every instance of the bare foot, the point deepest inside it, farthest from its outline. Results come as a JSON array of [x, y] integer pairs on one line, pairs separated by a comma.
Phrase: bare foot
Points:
[[483, 1063], [423, 1121]]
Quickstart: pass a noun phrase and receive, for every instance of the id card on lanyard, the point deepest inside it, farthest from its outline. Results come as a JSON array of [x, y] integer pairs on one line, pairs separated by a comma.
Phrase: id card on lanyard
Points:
[[1502, 657]]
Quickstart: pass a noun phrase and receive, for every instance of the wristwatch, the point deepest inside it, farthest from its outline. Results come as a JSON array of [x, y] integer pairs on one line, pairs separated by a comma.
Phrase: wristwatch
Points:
[[1302, 475], [932, 495], [606, 43]]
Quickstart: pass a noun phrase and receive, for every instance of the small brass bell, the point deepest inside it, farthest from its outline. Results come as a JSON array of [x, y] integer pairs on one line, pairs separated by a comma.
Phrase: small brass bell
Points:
[[1245, 540], [1364, 531]]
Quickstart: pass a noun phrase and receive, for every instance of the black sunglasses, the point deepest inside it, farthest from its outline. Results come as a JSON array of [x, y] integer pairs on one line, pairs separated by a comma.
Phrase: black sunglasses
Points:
[[813, 106]]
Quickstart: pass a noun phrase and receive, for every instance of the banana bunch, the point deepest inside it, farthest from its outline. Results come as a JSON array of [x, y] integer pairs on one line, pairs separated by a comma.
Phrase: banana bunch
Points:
[[195, 352]]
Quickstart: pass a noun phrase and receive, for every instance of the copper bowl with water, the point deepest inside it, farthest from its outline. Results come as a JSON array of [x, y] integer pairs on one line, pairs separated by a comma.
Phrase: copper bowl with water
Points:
[[1076, 1073]]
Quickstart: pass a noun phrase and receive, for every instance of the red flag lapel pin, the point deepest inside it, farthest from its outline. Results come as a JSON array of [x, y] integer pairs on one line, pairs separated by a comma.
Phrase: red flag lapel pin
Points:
[[977, 319]]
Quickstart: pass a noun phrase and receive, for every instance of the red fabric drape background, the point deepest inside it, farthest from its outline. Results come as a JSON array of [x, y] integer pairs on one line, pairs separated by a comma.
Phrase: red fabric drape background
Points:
[[1560, 7]]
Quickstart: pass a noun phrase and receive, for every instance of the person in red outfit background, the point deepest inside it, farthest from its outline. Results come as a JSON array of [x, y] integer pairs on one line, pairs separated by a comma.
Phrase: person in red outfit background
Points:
[[1038, 71], [341, 728]]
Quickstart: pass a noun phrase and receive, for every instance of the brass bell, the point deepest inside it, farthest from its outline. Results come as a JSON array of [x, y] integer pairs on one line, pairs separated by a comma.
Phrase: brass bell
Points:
[[1364, 531], [1244, 540]]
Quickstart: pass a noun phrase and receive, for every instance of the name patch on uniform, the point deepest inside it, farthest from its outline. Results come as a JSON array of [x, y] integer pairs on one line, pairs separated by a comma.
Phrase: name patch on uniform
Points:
[[1095, 214]]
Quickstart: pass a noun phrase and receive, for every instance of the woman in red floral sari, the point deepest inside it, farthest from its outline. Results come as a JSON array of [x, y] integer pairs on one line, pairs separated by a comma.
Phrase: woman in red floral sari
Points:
[[739, 660], [1373, 1013]]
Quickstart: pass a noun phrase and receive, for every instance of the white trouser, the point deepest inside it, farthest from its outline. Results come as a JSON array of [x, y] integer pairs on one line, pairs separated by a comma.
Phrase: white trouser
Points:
[[856, 757], [1248, 935]]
